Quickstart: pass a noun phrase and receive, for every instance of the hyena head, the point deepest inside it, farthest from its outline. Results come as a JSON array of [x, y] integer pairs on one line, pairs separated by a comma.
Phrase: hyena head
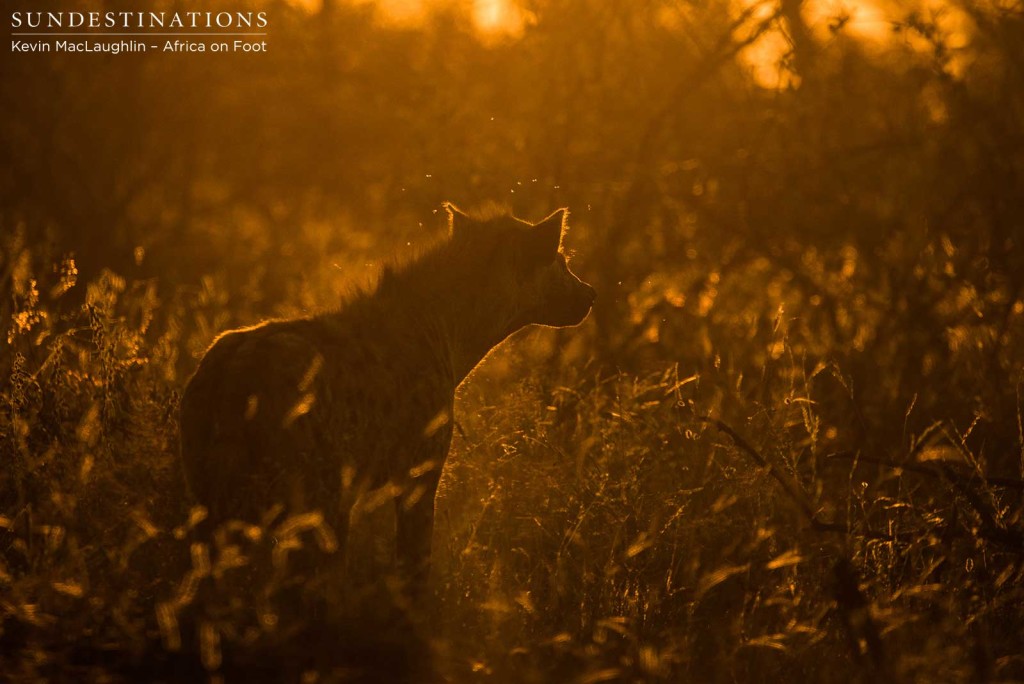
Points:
[[523, 269]]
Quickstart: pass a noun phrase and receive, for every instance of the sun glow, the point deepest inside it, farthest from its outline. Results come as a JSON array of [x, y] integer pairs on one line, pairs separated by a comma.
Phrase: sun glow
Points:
[[498, 17], [863, 19], [873, 23], [490, 17]]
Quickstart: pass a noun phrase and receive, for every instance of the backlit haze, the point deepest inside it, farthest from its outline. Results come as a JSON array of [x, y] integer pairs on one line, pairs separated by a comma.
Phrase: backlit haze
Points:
[[875, 23]]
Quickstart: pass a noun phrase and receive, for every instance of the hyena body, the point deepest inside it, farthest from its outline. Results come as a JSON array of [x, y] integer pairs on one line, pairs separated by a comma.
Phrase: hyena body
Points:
[[310, 414]]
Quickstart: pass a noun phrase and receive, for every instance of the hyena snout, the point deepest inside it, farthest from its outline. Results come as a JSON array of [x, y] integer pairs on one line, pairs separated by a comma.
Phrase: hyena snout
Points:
[[585, 297], [570, 301]]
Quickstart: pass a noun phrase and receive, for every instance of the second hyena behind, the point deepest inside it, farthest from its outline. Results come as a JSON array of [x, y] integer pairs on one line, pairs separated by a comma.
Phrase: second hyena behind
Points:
[[309, 414]]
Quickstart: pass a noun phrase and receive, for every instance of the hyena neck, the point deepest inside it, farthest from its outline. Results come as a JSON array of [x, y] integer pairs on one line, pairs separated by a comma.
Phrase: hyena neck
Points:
[[447, 313], [470, 331]]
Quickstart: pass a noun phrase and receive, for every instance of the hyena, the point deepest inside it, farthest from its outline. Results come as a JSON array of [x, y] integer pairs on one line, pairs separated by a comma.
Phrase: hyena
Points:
[[309, 414]]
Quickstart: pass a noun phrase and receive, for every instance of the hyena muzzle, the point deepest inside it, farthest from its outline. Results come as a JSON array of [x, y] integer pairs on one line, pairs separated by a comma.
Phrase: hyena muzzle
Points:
[[312, 415]]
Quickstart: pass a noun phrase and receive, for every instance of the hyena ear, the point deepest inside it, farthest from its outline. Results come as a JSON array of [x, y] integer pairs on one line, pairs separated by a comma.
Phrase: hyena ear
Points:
[[546, 237], [457, 220]]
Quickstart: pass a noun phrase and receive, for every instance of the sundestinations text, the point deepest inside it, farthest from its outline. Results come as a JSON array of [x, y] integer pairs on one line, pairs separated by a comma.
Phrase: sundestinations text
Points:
[[138, 20]]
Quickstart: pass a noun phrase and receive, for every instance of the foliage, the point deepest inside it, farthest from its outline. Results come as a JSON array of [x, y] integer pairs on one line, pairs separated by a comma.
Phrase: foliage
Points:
[[787, 445]]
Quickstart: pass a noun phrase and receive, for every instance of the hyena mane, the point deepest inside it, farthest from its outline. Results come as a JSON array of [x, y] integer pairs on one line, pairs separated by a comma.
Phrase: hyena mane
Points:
[[311, 414]]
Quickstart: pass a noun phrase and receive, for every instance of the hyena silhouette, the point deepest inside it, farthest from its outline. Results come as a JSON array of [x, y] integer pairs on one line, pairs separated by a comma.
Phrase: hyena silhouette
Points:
[[309, 414]]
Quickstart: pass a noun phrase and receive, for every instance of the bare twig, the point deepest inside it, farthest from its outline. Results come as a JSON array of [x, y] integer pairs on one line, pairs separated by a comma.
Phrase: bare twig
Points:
[[990, 528], [927, 469], [792, 489]]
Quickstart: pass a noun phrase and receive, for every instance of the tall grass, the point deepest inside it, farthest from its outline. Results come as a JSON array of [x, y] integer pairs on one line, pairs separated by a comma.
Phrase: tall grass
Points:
[[708, 521]]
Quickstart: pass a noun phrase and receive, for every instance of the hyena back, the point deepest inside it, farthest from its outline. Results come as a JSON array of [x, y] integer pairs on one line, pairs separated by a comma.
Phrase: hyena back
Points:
[[309, 414]]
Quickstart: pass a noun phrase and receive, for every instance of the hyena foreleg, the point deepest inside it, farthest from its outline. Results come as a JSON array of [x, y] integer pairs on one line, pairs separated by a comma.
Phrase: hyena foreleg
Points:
[[414, 510], [414, 528]]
